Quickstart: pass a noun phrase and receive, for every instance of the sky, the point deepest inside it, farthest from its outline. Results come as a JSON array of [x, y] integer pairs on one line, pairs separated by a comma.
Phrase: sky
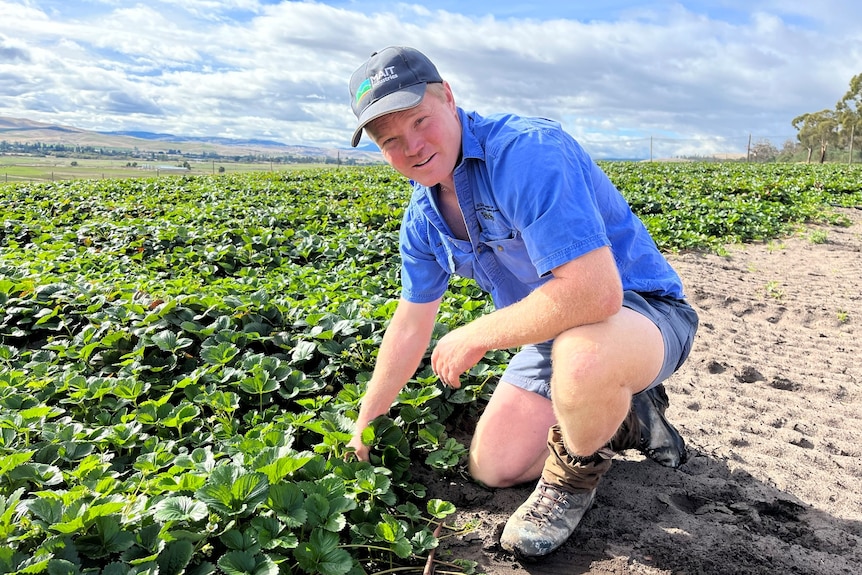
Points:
[[627, 79]]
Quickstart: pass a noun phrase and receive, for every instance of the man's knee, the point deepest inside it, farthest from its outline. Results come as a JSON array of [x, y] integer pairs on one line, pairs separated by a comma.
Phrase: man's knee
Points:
[[618, 357], [579, 378], [577, 359], [484, 476], [498, 473]]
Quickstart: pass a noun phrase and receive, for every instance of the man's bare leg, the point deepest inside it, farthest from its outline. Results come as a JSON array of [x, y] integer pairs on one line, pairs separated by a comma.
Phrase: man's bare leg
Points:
[[510, 442]]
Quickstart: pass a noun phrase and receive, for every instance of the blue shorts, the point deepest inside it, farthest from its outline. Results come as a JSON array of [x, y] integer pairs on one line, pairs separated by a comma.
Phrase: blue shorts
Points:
[[677, 321]]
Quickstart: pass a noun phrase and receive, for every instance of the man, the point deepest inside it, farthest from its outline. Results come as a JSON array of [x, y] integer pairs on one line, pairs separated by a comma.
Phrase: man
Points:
[[577, 282]]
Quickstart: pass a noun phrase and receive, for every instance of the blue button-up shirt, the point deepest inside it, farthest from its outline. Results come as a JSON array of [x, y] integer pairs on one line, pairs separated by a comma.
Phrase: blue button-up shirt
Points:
[[532, 200]]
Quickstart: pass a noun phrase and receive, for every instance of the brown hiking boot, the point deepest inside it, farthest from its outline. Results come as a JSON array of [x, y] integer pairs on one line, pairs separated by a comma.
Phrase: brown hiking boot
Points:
[[647, 430], [553, 510]]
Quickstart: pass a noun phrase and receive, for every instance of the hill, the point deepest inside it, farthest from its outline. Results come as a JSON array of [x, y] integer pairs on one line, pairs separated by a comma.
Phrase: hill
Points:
[[24, 131]]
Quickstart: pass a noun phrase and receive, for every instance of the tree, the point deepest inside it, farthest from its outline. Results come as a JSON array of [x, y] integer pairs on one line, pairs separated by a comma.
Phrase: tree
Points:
[[833, 128], [817, 129], [852, 100], [763, 151], [789, 151], [849, 112]]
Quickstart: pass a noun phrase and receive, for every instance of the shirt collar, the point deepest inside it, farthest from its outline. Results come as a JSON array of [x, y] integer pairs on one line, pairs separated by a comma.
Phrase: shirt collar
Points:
[[470, 145]]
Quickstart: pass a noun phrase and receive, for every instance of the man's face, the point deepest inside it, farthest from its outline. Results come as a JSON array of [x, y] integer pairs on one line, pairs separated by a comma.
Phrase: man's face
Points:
[[422, 143]]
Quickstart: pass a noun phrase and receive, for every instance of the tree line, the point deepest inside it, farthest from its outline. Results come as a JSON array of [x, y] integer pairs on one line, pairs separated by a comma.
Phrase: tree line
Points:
[[96, 152], [838, 129]]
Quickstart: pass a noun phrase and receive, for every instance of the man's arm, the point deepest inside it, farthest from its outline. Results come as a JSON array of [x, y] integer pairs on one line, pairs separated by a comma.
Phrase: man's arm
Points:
[[404, 343], [585, 290]]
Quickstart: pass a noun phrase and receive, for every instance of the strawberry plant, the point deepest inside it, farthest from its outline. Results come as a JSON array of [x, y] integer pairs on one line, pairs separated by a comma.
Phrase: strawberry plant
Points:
[[705, 205]]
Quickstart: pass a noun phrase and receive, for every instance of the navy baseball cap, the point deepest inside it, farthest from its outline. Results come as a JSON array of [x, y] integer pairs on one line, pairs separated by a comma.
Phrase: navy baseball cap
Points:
[[391, 80]]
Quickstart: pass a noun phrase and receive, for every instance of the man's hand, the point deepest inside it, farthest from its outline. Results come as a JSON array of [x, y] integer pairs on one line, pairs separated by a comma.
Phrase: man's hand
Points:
[[404, 344], [360, 450], [455, 353]]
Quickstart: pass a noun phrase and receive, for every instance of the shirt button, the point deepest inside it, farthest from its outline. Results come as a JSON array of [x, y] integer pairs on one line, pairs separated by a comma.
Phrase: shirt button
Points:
[[499, 248]]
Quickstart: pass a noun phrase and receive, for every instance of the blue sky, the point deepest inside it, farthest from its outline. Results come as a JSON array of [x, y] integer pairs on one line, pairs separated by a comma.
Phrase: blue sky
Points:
[[682, 77]]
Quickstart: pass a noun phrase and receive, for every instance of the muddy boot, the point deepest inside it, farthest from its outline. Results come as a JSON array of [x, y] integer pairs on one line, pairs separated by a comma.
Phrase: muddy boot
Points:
[[647, 430], [564, 493]]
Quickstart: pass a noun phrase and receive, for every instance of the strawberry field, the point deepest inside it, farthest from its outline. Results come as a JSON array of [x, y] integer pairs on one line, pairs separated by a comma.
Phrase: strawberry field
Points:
[[181, 360]]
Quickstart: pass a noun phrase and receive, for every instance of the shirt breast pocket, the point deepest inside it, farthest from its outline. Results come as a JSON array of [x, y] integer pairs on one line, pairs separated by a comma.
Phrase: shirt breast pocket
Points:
[[492, 225]]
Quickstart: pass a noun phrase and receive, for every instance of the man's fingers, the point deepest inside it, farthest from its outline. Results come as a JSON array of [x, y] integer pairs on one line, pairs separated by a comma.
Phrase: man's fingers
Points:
[[451, 381], [443, 373]]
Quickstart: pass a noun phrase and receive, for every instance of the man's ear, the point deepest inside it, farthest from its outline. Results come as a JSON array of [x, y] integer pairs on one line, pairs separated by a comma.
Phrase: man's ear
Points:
[[450, 97]]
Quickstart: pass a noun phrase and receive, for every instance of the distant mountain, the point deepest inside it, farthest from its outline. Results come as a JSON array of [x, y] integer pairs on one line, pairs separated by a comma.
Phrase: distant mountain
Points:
[[369, 147], [11, 125], [160, 137], [29, 131], [205, 139]]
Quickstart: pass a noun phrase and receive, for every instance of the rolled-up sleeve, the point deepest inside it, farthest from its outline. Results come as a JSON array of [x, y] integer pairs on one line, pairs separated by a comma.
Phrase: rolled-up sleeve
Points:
[[423, 279]]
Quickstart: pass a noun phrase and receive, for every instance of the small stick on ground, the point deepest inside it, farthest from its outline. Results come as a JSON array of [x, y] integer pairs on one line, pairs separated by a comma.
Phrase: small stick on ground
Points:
[[429, 564]]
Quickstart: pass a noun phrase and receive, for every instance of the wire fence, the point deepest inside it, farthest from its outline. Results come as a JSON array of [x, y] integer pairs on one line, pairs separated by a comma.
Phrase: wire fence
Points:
[[709, 148]]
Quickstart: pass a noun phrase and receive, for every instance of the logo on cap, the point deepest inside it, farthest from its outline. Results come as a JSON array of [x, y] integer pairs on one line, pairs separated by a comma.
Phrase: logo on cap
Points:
[[381, 77], [363, 89]]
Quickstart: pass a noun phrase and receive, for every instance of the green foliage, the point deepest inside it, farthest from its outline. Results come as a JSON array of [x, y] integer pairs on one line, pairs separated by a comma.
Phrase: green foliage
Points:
[[706, 205], [181, 362]]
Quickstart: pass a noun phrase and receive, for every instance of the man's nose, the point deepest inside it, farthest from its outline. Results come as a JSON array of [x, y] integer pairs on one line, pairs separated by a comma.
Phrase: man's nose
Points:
[[415, 144]]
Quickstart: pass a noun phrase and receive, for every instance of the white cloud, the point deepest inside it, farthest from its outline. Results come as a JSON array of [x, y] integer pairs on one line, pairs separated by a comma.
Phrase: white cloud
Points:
[[689, 78]]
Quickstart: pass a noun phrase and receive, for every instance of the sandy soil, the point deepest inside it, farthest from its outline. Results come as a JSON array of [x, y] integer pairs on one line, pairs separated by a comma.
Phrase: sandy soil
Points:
[[770, 404]]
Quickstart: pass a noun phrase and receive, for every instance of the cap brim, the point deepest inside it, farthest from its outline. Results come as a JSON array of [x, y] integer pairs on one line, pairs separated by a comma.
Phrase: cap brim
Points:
[[403, 99]]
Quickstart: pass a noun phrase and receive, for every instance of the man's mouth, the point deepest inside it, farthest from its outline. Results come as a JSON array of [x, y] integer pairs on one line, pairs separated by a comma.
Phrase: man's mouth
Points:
[[421, 164]]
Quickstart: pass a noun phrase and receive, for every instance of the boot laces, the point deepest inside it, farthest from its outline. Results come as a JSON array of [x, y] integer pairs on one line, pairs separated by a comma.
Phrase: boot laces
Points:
[[548, 502]]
